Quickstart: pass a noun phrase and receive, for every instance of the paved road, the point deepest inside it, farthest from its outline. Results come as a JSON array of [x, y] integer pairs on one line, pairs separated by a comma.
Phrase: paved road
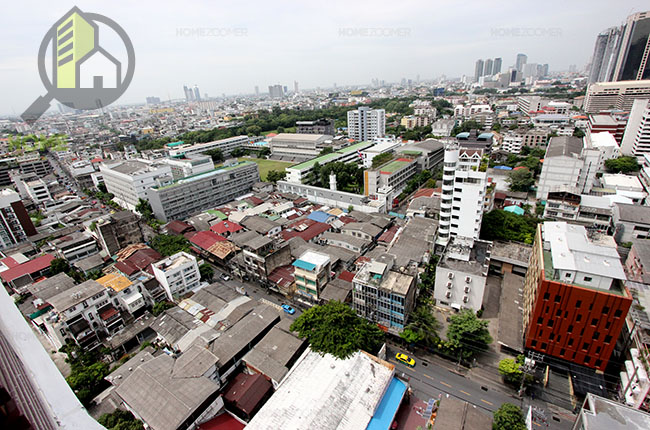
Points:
[[430, 380]]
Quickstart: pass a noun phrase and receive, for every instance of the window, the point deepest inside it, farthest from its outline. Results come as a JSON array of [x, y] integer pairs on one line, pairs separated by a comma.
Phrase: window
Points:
[[547, 296], [587, 360], [544, 345], [596, 336], [540, 320], [585, 346], [598, 349], [606, 309], [578, 317], [570, 329], [533, 343], [568, 275], [551, 336], [594, 321], [578, 303], [607, 325], [570, 342], [558, 313], [562, 352], [550, 323], [608, 339], [557, 298], [598, 362], [617, 313], [587, 279]]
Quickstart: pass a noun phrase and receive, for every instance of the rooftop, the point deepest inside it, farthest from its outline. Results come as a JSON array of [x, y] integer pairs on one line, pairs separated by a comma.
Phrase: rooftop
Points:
[[564, 146], [334, 155], [115, 281], [174, 261], [395, 165], [51, 286], [467, 255], [75, 295], [599, 413], [203, 175], [634, 213], [323, 392], [311, 260]]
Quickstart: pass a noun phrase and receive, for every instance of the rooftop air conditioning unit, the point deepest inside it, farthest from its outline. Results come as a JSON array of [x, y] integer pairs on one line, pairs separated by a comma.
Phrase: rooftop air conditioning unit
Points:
[[468, 279], [449, 285], [450, 275], [465, 299], [448, 294], [467, 289]]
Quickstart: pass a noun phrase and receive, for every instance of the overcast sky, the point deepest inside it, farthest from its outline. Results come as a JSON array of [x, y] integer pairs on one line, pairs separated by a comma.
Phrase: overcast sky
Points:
[[248, 43]]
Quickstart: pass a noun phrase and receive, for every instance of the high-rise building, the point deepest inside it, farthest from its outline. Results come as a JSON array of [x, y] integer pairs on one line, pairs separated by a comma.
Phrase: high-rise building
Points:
[[575, 299], [496, 67], [463, 192], [153, 100], [603, 60], [197, 93], [75, 40], [366, 124], [632, 61], [636, 139], [177, 274], [129, 180], [257, 90], [478, 70], [522, 59], [488, 67], [189, 95], [615, 95], [15, 223], [276, 91], [296, 89]]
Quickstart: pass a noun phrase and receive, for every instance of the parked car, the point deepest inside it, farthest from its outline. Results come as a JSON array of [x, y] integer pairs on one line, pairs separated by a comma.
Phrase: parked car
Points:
[[288, 309], [405, 359], [225, 277]]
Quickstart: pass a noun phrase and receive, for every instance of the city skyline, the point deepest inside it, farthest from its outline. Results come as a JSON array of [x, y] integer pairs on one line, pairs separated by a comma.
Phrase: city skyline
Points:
[[241, 47]]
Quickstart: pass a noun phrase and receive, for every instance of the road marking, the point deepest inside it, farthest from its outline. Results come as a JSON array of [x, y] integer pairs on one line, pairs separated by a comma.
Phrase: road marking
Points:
[[445, 384], [489, 403], [465, 392], [427, 376]]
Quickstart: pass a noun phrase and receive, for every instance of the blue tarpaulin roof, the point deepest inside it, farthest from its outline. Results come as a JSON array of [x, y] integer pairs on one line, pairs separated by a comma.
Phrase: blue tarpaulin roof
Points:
[[388, 407], [503, 167], [304, 265], [319, 216], [514, 209]]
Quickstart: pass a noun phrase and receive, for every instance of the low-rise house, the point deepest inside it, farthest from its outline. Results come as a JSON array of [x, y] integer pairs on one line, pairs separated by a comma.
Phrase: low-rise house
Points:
[[631, 222], [346, 241], [179, 329], [363, 230], [126, 295], [262, 225], [76, 246], [218, 306], [311, 274], [118, 230], [637, 265], [259, 255], [20, 275], [246, 394]]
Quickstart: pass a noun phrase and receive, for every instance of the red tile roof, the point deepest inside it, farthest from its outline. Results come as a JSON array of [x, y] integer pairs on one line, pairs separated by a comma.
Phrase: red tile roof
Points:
[[29, 267], [424, 192], [226, 227], [282, 276], [224, 421], [346, 276], [388, 235], [247, 392], [255, 201], [9, 262], [313, 230], [178, 227], [205, 239], [139, 260]]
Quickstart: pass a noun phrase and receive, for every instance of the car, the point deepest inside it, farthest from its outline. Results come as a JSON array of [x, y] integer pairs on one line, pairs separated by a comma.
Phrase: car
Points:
[[225, 277], [405, 359], [288, 309]]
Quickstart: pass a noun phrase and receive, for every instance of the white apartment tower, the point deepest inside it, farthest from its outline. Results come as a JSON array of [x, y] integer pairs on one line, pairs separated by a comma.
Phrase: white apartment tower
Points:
[[463, 192], [366, 124], [177, 274], [636, 140]]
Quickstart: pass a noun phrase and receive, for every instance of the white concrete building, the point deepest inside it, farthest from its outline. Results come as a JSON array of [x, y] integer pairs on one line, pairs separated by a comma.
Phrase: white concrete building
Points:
[[365, 123], [615, 95], [299, 146], [370, 153], [129, 180], [188, 166], [461, 274], [177, 274], [463, 192], [636, 140], [38, 191], [512, 143], [226, 146], [312, 273]]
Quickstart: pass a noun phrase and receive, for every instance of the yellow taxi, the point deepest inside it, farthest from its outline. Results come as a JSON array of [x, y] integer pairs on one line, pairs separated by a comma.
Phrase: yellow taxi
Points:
[[405, 359]]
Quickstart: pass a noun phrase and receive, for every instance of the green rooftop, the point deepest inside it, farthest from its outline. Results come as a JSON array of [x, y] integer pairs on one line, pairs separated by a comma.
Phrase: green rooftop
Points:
[[417, 153], [329, 157], [218, 214], [394, 166], [211, 172], [172, 144]]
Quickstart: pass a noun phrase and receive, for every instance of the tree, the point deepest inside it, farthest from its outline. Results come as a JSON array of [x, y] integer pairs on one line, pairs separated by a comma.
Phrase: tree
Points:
[[423, 326], [102, 188], [430, 183], [275, 175], [207, 272], [521, 180], [265, 152], [468, 334], [577, 132], [120, 420], [624, 164], [502, 225], [336, 329], [86, 381], [496, 127], [144, 208], [169, 245], [216, 155], [59, 265], [161, 307], [380, 159], [508, 417], [510, 369], [326, 150]]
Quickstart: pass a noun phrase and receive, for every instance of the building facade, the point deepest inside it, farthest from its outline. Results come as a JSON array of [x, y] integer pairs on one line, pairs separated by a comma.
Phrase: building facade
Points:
[[226, 146], [15, 223], [187, 196], [129, 180], [311, 274], [575, 300], [615, 95], [319, 126], [636, 140], [365, 123], [299, 146], [177, 274], [118, 230]]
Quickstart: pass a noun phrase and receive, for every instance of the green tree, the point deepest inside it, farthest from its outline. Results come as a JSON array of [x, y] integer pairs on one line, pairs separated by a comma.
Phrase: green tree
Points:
[[423, 325], [144, 208], [326, 150], [496, 127], [380, 159], [577, 132], [275, 175], [508, 417], [102, 188], [430, 183], [265, 152], [161, 307], [468, 334], [624, 164], [120, 420], [336, 329], [521, 180], [86, 381], [501, 225], [216, 155], [59, 265], [510, 369], [207, 272], [169, 245]]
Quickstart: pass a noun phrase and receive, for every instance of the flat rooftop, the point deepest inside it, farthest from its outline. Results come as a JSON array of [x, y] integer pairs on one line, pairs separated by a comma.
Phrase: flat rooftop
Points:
[[600, 413], [395, 165], [332, 156]]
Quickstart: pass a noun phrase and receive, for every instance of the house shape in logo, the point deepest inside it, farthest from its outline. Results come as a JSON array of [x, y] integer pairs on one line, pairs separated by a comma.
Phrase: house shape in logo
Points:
[[79, 61]]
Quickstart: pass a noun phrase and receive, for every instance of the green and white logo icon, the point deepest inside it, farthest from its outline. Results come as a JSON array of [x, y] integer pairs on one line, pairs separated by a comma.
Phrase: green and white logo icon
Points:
[[76, 49]]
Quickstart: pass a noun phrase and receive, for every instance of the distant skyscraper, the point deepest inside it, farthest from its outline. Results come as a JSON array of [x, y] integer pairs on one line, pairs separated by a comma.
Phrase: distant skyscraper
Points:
[[488, 67], [478, 70], [189, 95], [296, 89], [153, 100], [275, 91], [496, 67], [544, 70], [632, 62], [197, 93], [521, 60], [257, 90]]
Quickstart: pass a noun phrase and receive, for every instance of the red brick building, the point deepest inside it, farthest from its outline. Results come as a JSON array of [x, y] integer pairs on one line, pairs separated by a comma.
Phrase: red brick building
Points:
[[575, 300]]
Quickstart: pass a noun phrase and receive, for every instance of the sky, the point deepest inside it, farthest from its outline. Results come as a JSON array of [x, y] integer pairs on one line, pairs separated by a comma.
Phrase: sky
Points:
[[230, 47]]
